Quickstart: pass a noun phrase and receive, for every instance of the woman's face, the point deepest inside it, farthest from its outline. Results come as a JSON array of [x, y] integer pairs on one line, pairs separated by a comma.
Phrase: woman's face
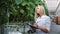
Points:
[[39, 10]]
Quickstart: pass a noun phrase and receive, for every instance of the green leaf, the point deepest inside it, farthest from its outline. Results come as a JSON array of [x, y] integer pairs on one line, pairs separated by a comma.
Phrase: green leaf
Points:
[[24, 3], [18, 1], [22, 11]]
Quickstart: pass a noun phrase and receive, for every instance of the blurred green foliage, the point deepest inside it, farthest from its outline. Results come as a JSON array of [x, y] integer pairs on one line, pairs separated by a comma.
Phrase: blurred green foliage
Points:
[[19, 10]]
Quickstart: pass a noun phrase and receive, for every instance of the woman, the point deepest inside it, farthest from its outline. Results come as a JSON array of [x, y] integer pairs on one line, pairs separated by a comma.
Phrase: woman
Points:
[[42, 21]]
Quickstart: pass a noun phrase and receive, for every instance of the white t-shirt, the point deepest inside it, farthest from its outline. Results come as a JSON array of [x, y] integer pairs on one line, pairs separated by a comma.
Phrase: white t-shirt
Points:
[[45, 22]]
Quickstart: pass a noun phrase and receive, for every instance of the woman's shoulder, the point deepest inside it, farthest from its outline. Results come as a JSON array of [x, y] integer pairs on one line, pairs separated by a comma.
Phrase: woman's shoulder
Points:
[[46, 17]]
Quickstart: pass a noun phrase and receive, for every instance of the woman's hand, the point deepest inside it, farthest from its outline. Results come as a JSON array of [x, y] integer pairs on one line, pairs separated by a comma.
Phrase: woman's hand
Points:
[[36, 25]]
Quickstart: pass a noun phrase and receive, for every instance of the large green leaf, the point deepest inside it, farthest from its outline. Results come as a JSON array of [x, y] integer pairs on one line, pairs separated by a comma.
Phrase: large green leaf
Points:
[[18, 1], [24, 3], [22, 11]]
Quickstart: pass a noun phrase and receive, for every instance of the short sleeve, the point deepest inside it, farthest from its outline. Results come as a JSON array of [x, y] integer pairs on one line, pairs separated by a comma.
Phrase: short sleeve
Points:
[[48, 24]]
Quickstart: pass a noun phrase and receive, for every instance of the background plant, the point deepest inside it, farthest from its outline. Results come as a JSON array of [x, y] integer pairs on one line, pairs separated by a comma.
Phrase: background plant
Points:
[[19, 10]]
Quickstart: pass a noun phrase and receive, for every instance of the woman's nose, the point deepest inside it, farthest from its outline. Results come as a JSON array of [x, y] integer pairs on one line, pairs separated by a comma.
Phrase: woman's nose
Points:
[[37, 8]]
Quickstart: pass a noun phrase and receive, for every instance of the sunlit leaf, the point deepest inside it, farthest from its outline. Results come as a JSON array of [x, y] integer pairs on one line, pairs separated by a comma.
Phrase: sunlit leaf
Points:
[[22, 11], [18, 1], [24, 3]]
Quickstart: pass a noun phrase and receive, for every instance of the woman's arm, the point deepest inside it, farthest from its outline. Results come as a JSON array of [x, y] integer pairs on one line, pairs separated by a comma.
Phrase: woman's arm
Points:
[[40, 27], [43, 29]]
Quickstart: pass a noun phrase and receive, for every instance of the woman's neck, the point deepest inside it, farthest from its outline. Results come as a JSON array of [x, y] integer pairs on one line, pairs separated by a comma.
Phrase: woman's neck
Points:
[[42, 14]]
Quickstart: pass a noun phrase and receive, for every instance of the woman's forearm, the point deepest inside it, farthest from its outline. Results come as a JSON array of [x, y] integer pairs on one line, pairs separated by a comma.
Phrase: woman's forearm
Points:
[[43, 29]]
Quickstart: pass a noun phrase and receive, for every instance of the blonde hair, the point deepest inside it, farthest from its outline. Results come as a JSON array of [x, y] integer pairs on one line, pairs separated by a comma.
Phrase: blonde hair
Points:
[[36, 16]]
